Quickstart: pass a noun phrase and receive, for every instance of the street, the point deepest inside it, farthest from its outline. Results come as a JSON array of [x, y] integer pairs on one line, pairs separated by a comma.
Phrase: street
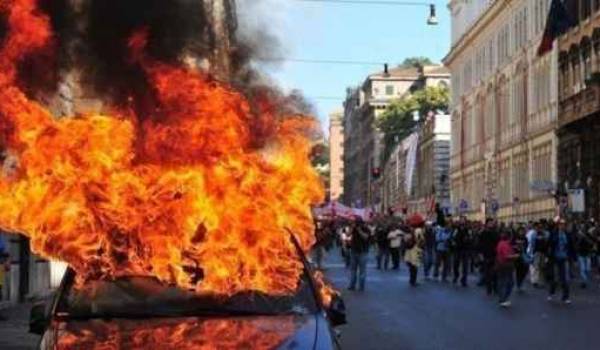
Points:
[[392, 315], [14, 329]]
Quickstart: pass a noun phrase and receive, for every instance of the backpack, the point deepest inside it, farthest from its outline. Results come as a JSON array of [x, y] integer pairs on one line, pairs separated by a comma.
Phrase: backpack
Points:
[[409, 242]]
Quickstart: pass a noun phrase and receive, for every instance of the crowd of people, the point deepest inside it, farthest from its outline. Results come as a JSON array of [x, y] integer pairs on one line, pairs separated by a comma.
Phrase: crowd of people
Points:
[[552, 253]]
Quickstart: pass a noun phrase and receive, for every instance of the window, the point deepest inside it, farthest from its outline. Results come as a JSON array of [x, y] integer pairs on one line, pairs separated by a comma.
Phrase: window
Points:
[[586, 57], [389, 90], [586, 9]]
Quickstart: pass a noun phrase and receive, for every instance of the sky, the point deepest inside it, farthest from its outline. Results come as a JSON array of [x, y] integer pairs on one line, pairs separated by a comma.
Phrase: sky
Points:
[[347, 32]]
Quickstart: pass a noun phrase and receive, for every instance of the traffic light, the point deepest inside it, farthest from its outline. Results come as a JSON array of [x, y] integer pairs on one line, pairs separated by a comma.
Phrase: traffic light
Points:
[[376, 172]]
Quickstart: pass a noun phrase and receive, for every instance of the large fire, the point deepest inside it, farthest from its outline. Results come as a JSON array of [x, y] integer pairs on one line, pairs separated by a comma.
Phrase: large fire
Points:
[[187, 334], [184, 195]]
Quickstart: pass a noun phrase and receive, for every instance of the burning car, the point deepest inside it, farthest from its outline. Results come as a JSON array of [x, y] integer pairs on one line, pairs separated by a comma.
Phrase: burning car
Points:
[[142, 313], [170, 196]]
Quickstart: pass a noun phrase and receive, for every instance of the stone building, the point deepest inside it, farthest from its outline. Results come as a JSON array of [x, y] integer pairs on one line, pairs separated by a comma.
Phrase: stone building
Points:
[[336, 156], [579, 108], [504, 110], [363, 142]]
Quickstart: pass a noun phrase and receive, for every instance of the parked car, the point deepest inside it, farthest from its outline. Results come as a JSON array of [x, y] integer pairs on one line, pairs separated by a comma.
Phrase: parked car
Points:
[[143, 313]]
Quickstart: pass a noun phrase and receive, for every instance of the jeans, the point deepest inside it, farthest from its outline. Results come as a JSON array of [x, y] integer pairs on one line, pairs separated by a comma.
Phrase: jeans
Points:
[[489, 274], [536, 268], [505, 283], [358, 265], [395, 252], [383, 257], [521, 269], [428, 258], [585, 268], [559, 265], [461, 266], [442, 258]]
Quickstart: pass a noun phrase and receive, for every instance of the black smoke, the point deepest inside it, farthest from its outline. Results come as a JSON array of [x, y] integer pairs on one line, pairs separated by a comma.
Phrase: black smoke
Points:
[[174, 27]]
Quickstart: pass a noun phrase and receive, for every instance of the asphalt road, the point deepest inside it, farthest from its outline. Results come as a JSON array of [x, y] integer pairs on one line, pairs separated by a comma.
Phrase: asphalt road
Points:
[[392, 315], [14, 327]]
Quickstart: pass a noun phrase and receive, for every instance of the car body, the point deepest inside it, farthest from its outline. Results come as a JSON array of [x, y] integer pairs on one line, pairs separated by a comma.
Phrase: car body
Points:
[[143, 313]]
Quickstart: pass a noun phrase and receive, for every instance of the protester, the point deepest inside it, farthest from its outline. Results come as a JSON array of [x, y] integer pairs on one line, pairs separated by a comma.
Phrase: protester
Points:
[[585, 244], [345, 239], [560, 251], [442, 252], [414, 242], [360, 237], [461, 244], [383, 246], [535, 253], [395, 241], [428, 249], [519, 243], [488, 242], [504, 267]]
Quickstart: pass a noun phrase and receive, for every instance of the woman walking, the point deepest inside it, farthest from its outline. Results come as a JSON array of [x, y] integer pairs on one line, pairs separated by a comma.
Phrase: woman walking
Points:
[[414, 241], [505, 257]]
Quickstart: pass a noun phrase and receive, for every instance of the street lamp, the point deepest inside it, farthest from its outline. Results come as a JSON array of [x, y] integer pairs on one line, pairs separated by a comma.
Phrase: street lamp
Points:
[[432, 20]]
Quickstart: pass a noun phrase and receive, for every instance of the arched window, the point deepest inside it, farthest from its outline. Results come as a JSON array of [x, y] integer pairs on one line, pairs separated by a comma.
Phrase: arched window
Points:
[[563, 77], [596, 49], [575, 69], [586, 57]]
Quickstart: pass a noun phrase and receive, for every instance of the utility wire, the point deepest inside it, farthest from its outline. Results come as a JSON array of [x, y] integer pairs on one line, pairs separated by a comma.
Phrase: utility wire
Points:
[[326, 98], [319, 61], [375, 2]]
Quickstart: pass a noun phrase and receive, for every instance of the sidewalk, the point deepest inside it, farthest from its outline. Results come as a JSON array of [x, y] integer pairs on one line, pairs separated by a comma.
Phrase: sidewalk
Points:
[[14, 328]]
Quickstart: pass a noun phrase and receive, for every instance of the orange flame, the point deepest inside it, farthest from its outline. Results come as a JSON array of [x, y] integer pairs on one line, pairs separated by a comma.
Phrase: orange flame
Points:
[[184, 195], [257, 333]]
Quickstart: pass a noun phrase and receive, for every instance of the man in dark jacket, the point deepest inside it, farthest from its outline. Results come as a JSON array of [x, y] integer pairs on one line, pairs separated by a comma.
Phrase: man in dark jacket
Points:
[[561, 249], [461, 243], [383, 246], [488, 241], [360, 237], [428, 249], [585, 244]]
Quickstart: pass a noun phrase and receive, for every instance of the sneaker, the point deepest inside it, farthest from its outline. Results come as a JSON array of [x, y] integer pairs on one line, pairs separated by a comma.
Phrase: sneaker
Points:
[[567, 301], [352, 289], [549, 298], [506, 304]]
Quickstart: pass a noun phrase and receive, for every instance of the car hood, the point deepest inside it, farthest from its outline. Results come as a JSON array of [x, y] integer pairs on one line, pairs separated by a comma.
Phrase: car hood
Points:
[[257, 332]]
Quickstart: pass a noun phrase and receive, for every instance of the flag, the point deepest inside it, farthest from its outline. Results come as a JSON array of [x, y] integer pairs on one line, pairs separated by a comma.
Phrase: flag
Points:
[[559, 22]]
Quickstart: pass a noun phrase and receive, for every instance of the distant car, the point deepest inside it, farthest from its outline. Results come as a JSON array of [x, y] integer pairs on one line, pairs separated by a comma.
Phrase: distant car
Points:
[[143, 313]]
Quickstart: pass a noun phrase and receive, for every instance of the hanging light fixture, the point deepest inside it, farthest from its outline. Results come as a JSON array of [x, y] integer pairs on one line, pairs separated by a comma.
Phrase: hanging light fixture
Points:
[[432, 20]]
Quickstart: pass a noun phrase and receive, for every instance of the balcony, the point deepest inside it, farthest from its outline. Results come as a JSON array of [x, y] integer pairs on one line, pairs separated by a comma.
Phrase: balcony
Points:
[[579, 105]]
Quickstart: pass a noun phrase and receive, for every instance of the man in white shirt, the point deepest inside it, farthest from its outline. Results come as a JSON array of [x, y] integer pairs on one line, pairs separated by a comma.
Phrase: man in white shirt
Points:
[[535, 258], [395, 239]]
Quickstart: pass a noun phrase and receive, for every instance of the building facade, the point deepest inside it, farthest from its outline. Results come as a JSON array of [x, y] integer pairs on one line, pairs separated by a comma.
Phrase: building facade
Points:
[[363, 142], [579, 108], [417, 190], [336, 156], [504, 110]]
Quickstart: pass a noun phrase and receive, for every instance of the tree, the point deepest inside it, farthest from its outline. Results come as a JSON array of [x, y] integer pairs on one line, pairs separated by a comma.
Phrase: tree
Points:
[[419, 61], [397, 122], [320, 160]]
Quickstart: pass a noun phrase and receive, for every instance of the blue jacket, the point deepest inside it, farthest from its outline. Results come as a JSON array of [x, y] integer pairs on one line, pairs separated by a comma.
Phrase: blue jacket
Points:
[[442, 238]]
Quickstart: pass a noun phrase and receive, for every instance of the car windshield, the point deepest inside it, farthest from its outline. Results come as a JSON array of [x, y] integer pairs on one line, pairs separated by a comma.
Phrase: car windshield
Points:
[[133, 297]]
